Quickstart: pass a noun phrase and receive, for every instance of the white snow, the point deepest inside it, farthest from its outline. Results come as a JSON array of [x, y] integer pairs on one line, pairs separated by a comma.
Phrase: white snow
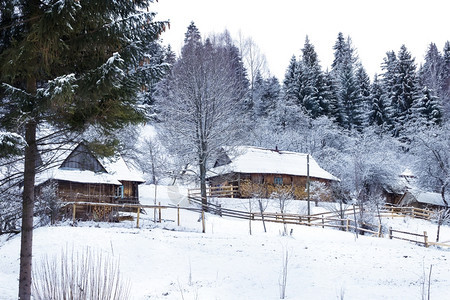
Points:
[[77, 176], [258, 160], [166, 261], [118, 168]]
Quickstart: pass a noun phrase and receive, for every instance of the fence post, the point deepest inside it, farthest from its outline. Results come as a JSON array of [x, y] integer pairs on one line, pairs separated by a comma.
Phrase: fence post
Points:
[[159, 211], [323, 222], [137, 219], [220, 210], [203, 221], [347, 221], [390, 233], [425, 237], [178, 214], [74, 212]]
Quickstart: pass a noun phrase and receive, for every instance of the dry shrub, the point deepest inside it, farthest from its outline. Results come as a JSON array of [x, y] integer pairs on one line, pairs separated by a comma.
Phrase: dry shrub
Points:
[[87, 275]]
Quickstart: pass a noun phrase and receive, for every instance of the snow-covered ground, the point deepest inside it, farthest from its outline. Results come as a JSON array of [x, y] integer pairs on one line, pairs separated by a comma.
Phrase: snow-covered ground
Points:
[[166, 261]]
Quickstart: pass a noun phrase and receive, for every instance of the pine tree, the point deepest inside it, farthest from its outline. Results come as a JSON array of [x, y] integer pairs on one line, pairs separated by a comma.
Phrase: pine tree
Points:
[[313, 91], [377, 111], [340, 52], [349, 105], [364, 90], [405, 88], [69, 64], [427, 110], [333, 109], [257, 94], [431, 71], [270, 96], [388, 83], [349, 100], [445, 79], [292, 81]]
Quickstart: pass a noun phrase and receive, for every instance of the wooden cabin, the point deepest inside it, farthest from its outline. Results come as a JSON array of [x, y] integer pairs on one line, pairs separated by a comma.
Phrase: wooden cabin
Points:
[[262, 172], [420, 199], [82, 177]]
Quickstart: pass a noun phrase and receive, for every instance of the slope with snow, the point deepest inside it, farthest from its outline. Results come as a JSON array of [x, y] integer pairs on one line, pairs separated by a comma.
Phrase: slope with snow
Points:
[[166, 261]]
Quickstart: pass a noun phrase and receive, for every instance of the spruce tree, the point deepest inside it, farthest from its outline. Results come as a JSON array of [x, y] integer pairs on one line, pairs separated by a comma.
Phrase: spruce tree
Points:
[[406, 88], [426, 109], [377, 111], [388, 83], [445, 79], [313, 91], [292, 82], [69, 64]]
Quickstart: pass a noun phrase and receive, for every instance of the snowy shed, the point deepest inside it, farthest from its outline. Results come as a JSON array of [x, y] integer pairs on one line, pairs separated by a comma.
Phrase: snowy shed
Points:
[[83, 177], [249, 167], [422, 199]]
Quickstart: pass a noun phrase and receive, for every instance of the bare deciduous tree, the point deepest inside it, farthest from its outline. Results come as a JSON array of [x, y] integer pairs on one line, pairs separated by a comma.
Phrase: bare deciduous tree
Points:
[[201, 105]]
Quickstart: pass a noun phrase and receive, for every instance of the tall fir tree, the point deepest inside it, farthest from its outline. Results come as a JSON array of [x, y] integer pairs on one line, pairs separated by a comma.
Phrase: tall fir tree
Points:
[[314, 90], [378, 114], [364, 91], [292, 84], [426, 109], [350, 107], [445, 80], [406, 89], [69, 64]]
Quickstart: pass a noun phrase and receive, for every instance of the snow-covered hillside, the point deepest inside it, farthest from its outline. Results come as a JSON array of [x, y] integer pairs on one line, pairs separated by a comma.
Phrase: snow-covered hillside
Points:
[[166, 261]]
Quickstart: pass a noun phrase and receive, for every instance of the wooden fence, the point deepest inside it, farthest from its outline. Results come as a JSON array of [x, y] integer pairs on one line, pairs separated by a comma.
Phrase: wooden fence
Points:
[[402, 211], [215, 191], [324, 220]]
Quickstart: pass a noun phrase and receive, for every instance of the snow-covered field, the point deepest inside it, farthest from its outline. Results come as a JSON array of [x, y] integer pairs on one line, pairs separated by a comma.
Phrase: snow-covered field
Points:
[[166, 261]]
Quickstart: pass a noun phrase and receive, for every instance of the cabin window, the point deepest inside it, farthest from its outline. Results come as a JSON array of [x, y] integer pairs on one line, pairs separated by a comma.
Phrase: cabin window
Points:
[[119, 191], [278, 180]]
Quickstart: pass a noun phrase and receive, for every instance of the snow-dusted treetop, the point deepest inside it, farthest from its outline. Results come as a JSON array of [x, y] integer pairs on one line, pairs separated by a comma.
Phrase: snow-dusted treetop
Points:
[[246, 159]]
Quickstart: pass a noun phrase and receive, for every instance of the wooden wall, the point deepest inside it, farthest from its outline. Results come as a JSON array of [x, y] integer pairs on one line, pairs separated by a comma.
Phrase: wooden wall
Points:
[[298, 183]]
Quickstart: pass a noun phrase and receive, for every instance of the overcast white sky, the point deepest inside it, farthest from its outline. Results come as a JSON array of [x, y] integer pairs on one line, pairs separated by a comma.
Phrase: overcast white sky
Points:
[[279, 27]]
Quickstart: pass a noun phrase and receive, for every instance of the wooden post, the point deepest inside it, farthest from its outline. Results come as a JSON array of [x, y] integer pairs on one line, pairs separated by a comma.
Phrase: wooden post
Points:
[[159, 211], [347, 221], [390, 233], [178, 214], [203, 221], [137, 218], [356, 222], [74, 212], [323, 222], [425, 237]]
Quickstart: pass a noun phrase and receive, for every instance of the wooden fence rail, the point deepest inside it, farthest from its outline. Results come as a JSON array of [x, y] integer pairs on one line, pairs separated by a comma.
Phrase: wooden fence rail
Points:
[[424, 236], [325, 220]]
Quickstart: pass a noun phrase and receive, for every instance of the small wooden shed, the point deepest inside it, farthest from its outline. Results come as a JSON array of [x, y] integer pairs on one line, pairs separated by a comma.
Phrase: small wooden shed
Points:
[[82, 177], [264, 171], [421, 199]]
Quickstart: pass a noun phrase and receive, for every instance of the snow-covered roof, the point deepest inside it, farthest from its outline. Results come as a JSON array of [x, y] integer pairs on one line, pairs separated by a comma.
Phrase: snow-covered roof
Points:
[[252, 160], [427, 197], [116, 171], [118, 168], [77, 176]]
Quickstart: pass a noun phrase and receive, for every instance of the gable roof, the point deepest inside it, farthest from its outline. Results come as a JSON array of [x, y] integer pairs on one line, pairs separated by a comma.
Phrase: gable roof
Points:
[[80, 165], [253, 160], [427, 198]]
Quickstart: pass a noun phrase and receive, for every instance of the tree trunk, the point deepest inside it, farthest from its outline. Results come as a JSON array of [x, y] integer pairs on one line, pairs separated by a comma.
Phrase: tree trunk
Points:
[[27, 212], [203, 186]]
